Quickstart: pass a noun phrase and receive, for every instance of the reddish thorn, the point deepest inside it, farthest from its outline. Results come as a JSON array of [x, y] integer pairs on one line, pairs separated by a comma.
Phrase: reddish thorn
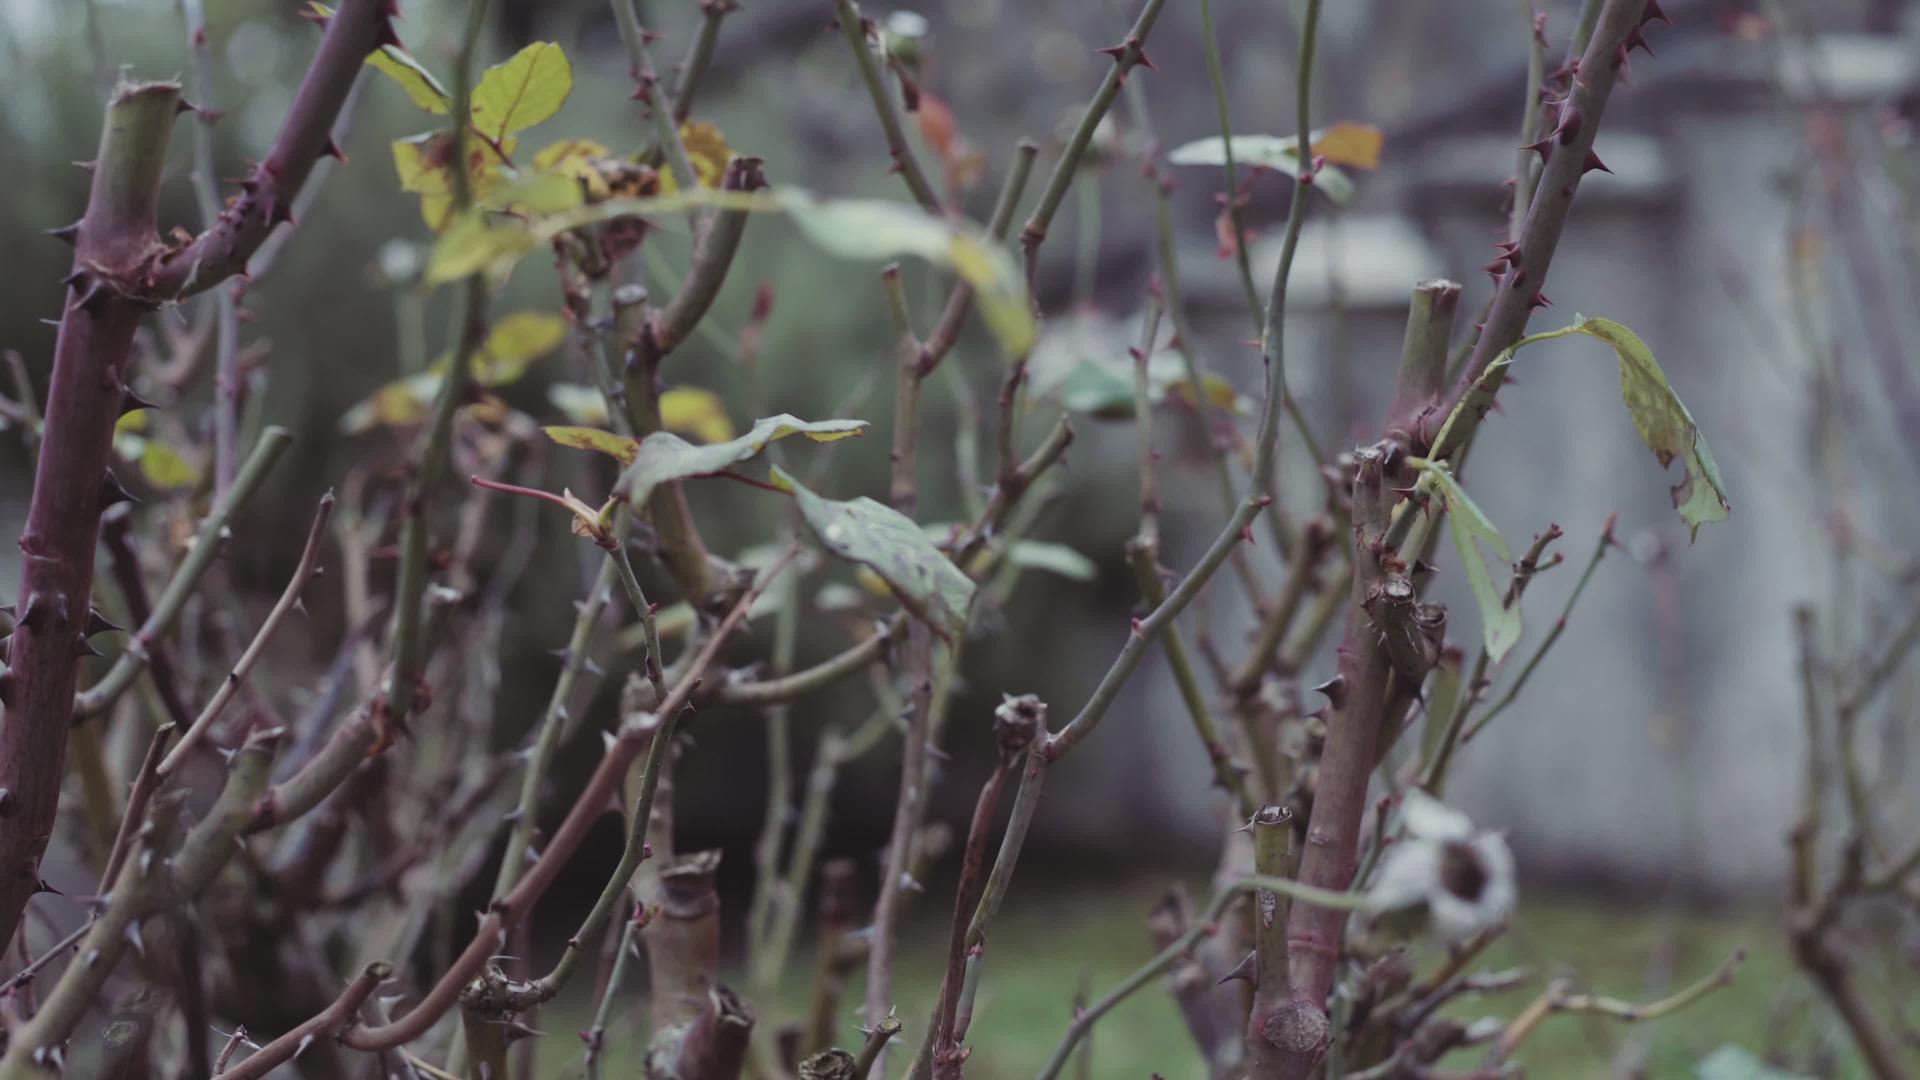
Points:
[[1637, 40], [1246, 532], [1594, 164], [1262, 502], [1135, 624], [332, 150], [1541, 147], [387, 35], [1569, 127], [1539, 301], [1653, 12]]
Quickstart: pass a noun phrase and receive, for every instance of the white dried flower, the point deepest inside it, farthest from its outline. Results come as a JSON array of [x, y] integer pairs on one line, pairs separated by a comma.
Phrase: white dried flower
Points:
[[1462, 876]]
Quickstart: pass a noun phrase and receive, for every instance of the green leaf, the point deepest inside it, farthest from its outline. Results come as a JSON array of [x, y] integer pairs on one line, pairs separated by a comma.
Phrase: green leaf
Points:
[[521, 91], [1663, 422], [618, 447], [1279, 153], [421, 87], [875, 229], [881, 229], [664, 456], [1659, 416], [888, 542], [1102, 391], [1053, 558], [1499, 623], [1732, 1062]]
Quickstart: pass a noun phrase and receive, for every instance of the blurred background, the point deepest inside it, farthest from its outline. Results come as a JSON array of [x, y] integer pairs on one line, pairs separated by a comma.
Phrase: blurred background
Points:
[[1760, 230]]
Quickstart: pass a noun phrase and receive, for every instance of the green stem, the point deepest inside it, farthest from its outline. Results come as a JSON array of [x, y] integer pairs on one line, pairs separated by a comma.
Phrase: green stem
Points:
[[854, 26], [96, 699]]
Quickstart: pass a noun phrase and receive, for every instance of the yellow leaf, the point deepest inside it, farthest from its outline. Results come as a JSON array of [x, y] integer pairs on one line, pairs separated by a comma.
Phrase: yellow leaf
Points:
[[606, 442], [707, 150], [523, 90], [580, 404], [473, 244], [575, 159], [133, 421], [424, 165], [697, 413], [164, 468], [539, 193], [1220, 393], [515, 342], [421, 87], [396, 404], [1354, 145], [1001, 291]]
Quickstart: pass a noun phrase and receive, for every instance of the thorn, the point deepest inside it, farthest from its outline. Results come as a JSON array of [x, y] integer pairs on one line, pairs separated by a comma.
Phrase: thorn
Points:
[[1540, 147], [315, 16], [332, 150], [1246, 532], [1135, 624], [1594, 164], [31, 612], [1653, 12], [75, 279], [1637, 40], [112, 492], [83, 647], [134, 939], [69, 233], [1568, 129], [1247, 969], [95, 296], [131, 402], [1539, 301], [388, 36], [1335, 690]]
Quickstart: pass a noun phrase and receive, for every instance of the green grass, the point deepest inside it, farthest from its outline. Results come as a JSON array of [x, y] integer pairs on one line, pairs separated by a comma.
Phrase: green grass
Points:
[[1049, 944]]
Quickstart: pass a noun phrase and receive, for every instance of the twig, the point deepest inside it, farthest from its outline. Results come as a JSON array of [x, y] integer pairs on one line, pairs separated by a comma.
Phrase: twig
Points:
[[699, 55], [508, 910], [595, 1035], [1559, 998], [854, 26], [1559, 625], [340, 1013], [304, 572], [1204, 925], [207, 543], [882, 1032], [1216, 78], [1130, 53], [553, 720]]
